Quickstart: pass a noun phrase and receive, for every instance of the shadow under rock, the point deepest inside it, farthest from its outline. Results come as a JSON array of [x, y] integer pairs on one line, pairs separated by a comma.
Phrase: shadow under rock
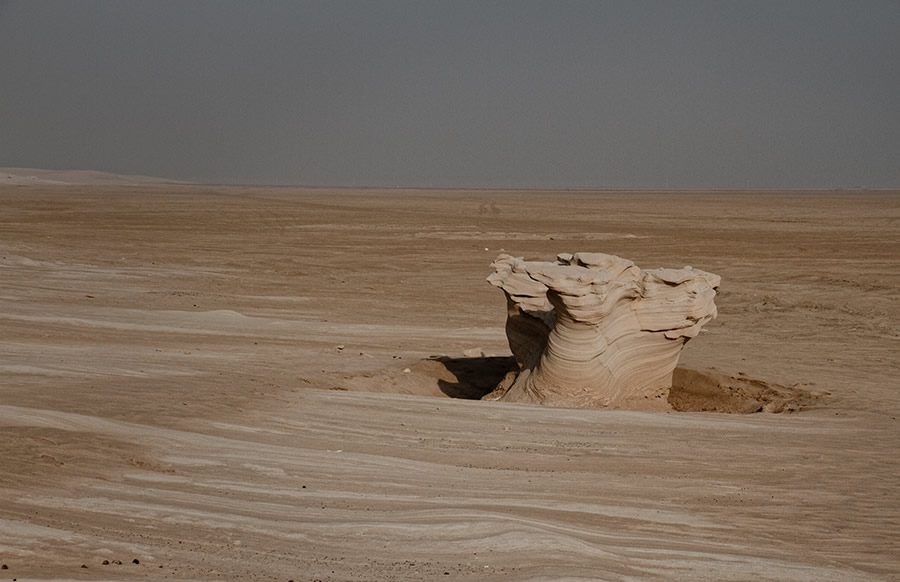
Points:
[[475, 377], [692, 390]]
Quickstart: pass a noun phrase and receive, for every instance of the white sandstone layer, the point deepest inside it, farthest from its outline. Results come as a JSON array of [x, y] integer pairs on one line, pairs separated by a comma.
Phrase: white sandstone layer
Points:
[[594, 330]]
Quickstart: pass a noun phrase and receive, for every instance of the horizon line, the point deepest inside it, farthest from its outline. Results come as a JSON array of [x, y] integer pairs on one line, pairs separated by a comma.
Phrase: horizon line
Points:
[[185, 182]]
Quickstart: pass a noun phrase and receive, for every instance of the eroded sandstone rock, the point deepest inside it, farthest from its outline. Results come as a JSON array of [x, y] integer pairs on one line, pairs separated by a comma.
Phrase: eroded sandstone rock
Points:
[[594, 330]]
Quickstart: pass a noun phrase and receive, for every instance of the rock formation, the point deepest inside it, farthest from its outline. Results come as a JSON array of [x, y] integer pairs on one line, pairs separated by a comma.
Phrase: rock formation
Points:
[[594, 330]]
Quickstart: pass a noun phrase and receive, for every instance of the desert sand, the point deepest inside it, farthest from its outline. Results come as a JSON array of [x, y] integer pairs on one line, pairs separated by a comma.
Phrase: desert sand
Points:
[[42, 177], [224, 383]]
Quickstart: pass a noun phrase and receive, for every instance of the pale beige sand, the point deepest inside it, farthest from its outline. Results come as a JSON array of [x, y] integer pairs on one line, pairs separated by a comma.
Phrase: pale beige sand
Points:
[[41, 177], [160, 346]]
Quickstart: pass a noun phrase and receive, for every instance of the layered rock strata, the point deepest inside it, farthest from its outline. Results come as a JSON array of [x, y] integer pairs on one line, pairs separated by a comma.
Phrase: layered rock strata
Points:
[[594, 330]]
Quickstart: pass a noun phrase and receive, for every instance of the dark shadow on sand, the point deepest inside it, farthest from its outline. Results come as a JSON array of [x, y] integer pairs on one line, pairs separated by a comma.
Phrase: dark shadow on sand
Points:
[[475, 377]]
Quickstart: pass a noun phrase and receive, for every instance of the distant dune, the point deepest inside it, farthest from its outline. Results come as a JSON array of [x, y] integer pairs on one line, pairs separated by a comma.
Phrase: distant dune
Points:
[[23, 176]]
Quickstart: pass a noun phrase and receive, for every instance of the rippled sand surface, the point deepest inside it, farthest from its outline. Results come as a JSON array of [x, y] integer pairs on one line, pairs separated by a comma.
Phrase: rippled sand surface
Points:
[[209, 382]]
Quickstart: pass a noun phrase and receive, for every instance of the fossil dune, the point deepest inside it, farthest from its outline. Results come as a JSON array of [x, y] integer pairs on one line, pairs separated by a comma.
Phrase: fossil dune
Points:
[[594, 330]]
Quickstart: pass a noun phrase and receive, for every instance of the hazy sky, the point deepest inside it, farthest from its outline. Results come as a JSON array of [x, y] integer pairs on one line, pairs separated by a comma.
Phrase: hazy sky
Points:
[[689, 94]]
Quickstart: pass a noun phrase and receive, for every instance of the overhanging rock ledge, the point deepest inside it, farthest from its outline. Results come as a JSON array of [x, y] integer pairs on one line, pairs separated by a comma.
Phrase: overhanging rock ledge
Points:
[[594, 330]]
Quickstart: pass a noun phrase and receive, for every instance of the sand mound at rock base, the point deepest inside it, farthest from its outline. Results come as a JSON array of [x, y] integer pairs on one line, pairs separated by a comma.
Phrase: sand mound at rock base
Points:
[[692, 390], [711, 391]]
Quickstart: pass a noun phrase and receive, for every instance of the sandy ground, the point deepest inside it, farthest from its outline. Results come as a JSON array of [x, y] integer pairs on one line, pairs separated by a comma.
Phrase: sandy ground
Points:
[[175, 364], [41, 177]]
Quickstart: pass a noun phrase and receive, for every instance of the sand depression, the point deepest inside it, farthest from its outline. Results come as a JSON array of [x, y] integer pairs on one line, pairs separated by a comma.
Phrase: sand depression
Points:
[[593, 330]]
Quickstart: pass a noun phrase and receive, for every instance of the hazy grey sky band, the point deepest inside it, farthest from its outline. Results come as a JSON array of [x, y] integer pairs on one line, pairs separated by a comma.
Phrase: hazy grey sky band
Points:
[[629, 94]]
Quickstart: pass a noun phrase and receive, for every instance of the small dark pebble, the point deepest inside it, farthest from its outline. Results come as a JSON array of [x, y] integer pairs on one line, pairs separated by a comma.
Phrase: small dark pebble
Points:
[[135, 561], [84, 565], [4, 567], [105, 562]]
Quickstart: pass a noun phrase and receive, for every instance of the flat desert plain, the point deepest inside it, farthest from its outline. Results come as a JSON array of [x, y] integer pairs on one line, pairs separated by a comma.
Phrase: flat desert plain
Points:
[[203, 383]]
